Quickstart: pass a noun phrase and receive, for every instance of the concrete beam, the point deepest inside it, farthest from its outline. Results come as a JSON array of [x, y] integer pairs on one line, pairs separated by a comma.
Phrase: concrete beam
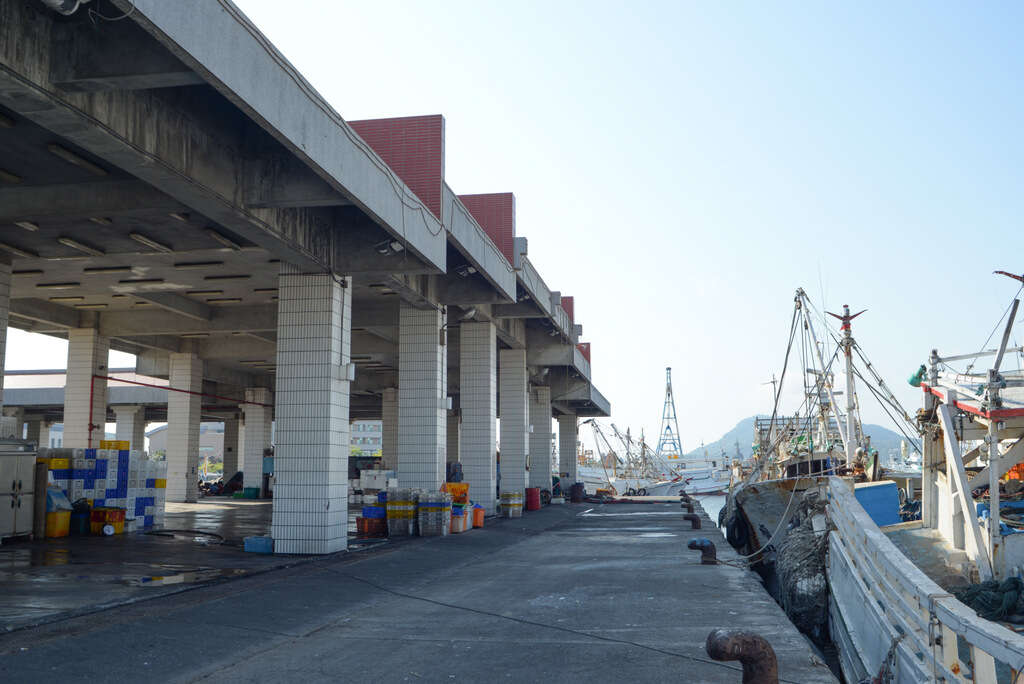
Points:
[[46, 312], [526, 309], [376, 313], [281, 181], [511, 331], [112, 55], [81, 200], [473, 289], [218, 41], [255, 318], [178, 304], [472, 241]]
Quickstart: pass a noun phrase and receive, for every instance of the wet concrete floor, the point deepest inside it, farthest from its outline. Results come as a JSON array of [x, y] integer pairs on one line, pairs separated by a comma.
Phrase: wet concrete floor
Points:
[[52, 579], [571, 593]]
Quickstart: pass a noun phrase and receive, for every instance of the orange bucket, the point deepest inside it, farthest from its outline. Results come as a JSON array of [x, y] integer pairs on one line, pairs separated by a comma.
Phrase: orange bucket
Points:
[[478, 517]]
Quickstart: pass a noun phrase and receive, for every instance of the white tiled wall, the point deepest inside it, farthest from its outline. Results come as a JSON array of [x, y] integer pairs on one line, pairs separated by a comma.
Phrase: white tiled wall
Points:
[[389, 428], [512, 382], [540, 438], [87, 356], [422, 392], [231, 445], [131, 425], [183, 414], [567, 450], [5, 306], [314, 337], [454, 426], [257, 423], [477, 397]]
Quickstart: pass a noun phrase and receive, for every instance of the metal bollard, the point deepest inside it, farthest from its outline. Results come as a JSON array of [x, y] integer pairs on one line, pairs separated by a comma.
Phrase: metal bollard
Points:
[[688, 505], [694, 520], [708, 553], [754, 653]]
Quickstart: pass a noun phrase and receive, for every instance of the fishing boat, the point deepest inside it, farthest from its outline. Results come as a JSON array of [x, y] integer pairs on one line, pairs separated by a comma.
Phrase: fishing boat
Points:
[[928, 599]]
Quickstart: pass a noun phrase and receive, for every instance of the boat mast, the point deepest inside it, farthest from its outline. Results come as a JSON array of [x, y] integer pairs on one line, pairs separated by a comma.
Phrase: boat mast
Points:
[[800, 297], [851, 396]]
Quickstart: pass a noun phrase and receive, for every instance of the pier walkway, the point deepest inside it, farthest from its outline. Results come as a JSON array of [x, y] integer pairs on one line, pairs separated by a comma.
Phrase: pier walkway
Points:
[[571, 593]]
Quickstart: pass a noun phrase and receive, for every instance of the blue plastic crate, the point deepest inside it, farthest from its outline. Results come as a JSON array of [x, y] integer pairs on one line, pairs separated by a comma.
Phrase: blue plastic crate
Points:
[[375, 512], [259, 544], [150, 483]]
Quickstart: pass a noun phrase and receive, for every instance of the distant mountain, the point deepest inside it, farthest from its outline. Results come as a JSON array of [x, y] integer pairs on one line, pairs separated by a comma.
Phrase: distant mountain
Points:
[[882, 438]]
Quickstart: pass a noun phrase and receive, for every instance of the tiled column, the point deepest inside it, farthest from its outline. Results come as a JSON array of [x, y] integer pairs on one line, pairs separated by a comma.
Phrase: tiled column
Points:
[[478, 387], [389, 429], [186, 373], [567, 450], [5, 306], [314, 347], [87, 356], [230, 446], [452, 449], [512, 382], [540, 438], [39, 432], [256, 439], [131, 425], [422, 391]]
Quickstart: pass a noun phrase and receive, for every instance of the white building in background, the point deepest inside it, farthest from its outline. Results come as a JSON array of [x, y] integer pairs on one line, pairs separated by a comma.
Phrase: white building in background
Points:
[[366, 436]]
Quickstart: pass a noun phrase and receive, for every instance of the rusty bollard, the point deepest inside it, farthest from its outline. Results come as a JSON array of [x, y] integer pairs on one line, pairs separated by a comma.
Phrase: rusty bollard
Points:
[[688, 505], [708, 553], [754, 653], [694, 520]]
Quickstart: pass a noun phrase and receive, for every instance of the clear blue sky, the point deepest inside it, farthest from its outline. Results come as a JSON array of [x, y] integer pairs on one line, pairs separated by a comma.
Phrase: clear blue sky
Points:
[[681, 167]]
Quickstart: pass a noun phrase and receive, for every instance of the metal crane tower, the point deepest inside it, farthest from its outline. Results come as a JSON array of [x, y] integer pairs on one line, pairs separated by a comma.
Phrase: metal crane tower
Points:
[[669, 446]]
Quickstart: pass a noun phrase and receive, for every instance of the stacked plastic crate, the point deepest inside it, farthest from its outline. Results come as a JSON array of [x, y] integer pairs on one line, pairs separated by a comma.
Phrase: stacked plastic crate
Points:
[[113, 478]]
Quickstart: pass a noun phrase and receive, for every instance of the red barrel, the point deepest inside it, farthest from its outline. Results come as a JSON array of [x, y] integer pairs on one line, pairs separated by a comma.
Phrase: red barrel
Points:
[[533, 498]]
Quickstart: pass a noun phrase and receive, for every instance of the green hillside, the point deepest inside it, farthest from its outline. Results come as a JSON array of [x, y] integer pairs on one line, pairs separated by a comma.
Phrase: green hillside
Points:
[[882, 438]]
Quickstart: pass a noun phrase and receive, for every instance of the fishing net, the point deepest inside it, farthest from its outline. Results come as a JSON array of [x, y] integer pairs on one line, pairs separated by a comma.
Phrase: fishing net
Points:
[[800, 566], [994, 600]]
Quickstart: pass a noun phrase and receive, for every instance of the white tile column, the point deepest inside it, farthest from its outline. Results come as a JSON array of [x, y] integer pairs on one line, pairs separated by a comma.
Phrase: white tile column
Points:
[[230, 446], [85, 397], [15, 420], [314, 347], [38, 431], [257, 425], [454, 426], [512, 383], [422, 394], [389, 429], [540, 438], [478, 387], [5, 307], [131, 425], [567, 450], [183, 415]]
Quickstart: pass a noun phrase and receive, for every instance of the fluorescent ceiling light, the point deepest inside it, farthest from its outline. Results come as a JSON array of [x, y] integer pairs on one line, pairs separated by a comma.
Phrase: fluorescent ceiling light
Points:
[[27, 225], [95, 270], [265, 290], [27, 272], [223, 239], [184, 265], [179, 215], [151, 243], [235, 276], [140, 281], [197, 335], [90, 306], [76, 159], [101, 220], [57, 286], [75, 244], [224, 300], [8, 177], [205, 293], [67, 299]]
